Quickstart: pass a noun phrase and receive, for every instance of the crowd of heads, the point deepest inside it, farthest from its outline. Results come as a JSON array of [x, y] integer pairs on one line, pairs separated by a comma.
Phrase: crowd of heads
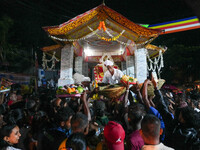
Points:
[[43, 121]]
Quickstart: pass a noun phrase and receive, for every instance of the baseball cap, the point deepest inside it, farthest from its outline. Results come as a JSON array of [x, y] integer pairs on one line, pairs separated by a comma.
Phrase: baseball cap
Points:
[[108, 63], [114, 135]]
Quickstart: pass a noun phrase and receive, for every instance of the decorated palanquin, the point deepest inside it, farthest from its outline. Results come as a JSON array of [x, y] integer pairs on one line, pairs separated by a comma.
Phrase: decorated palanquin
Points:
[[100, 68], [95, 32]]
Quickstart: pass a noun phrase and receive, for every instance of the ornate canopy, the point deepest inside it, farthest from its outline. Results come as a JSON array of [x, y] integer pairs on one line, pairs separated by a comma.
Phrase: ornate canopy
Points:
[[78, 27]]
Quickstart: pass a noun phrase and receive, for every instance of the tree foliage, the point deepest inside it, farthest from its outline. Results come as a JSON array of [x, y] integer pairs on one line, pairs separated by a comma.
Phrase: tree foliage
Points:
[[12, 57], [5, 25], [182, 63]]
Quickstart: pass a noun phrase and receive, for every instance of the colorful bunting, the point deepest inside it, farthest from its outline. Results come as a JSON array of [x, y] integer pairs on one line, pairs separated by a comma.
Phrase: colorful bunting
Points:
[[177, 25]]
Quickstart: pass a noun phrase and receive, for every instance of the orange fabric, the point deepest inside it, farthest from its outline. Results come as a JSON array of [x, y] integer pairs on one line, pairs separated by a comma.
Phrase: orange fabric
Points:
[[100, 146], [63, 145]]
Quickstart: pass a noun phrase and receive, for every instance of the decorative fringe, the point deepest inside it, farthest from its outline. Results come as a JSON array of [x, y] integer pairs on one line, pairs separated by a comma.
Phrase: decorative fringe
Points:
[[157, 63], [45, 61]]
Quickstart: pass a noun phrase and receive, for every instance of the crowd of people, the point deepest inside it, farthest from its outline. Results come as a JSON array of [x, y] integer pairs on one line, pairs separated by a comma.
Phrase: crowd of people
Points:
[[140, 121]]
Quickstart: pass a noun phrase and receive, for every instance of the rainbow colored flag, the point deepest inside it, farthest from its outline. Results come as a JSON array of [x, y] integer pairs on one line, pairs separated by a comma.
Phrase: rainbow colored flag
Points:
[[177, 25]]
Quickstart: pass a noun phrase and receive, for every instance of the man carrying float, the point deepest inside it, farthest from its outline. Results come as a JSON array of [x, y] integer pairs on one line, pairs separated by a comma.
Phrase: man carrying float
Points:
[[112, 75]]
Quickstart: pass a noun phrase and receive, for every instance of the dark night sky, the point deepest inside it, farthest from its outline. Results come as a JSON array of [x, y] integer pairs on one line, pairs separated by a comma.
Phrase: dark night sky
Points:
[[31, 15], [57, 11]]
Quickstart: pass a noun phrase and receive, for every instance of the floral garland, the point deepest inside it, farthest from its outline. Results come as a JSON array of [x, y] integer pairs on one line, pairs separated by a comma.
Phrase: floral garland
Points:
[[102, 25], [45, 61], [114, 38], [126, 44], [155, 64]]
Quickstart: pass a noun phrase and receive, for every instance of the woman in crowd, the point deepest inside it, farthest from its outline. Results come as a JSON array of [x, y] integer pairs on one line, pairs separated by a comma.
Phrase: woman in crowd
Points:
[[9, 136]]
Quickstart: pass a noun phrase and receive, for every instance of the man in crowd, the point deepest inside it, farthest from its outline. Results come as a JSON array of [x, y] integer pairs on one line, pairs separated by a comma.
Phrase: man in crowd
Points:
[[114, 135], [112, 75], [61, 129], [150, 132], [79, 124]]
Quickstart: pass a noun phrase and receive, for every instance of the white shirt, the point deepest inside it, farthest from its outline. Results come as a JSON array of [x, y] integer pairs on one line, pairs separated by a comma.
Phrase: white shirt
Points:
[[108, 78], [11, 148], [160, 146]]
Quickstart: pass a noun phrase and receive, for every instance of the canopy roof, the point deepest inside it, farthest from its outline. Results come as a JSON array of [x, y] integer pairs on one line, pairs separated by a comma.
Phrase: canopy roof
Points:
[[78, 27]]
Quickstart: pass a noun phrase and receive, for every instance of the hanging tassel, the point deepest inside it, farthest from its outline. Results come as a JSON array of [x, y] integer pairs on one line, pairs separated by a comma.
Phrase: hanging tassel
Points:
[[100, 25], [103, 26]]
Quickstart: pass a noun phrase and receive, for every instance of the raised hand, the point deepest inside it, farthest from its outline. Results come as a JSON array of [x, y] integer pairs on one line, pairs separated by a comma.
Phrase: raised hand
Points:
[[84, 96]]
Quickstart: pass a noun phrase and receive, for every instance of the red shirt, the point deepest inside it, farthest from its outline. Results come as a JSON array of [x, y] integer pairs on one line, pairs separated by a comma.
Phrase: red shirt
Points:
[[136, 140]]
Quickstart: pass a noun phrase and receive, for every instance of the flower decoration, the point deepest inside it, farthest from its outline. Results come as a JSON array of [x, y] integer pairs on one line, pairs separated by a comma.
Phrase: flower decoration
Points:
[[102, 25]]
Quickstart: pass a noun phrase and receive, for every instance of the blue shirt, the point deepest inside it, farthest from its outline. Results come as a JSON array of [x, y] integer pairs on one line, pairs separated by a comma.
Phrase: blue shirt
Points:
[[156, 113], [67, 132]]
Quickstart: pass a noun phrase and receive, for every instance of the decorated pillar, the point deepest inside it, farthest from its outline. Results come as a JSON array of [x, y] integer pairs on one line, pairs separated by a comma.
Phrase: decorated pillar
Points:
[[79, 64], [123, 67], [66, 69], [85, 68], [141, 65], [130, 66]]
